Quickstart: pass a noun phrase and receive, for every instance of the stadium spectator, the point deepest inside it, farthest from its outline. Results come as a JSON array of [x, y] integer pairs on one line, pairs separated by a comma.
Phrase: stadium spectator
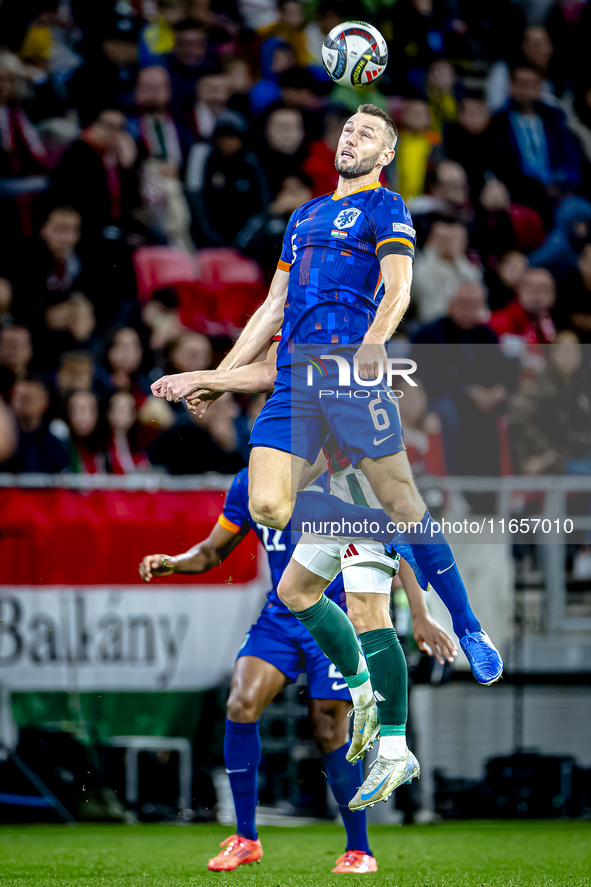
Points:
[[23, 160], [439, 88], [276, 57], [189, 353], [422, 431], [535, 154], [212, 94], [502, 226], [467, 381], [467, 142], [283, 150], [318, 166], [86, 444], [75, 373], [194, 446], [160, 321], [262, 236], [562, 248], [107, 78], [439, 269], [416, 140], [222, 175], [157, 38], [152, 125], [289, 27], [124, 359], [449, 197], [97, 175], [416, 39], [573, 305], [8, 433], [16, 353], [550, 414], [190, 59], [503, 280], [45, 265], [38, 449], [528, 317], [123, 456], [6, 293]]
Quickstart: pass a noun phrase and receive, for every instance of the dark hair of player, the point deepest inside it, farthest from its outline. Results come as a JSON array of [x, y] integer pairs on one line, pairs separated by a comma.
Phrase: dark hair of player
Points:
[[390, 126]]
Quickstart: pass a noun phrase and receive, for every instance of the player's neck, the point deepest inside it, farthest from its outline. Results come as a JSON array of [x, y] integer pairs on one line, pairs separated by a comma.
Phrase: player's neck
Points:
[[348, 186]]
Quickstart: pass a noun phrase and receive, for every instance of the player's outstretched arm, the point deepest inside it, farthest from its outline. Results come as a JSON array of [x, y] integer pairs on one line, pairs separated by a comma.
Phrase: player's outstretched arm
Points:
[[258, 332], [430, 637], [252, 379], [397, 276], [202, 557]]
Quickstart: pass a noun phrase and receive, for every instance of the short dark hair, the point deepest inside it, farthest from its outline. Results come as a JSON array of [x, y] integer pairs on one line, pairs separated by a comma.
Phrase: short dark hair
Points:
[[390, 126]]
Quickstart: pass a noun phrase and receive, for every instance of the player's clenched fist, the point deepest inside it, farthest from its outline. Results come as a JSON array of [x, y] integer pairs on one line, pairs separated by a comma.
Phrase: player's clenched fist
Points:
[[174, 388], [371, 359], [156, 565]]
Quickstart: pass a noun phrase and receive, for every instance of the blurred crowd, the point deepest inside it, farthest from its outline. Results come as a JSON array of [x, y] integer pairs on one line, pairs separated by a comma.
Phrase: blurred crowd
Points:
[[192, 126]]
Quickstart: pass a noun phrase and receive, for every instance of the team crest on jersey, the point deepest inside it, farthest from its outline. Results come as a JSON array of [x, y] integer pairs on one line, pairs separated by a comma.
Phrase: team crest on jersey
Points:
[[347, 218]]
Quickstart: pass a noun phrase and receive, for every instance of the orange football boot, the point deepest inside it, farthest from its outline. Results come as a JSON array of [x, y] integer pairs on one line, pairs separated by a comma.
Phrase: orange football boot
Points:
[[355, 862], [239, 851]]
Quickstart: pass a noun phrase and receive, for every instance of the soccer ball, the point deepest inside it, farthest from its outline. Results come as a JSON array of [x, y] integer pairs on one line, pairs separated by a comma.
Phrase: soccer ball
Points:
[[355, 53]]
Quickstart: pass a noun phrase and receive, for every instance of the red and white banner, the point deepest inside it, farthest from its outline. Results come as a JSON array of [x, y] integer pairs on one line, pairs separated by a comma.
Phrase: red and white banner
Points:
[[74, 614]]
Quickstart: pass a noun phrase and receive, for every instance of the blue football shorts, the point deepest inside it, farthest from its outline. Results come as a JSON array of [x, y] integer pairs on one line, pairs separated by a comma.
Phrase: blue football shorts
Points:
[[299, 417], [285, 643]]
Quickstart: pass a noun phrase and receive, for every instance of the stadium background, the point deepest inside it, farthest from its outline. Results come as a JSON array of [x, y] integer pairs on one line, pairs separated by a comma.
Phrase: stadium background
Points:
[[150, 157]]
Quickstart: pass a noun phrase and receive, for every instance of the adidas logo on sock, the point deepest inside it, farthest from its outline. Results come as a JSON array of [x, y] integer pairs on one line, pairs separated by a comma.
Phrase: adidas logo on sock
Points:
[[378, 696], [351, 551]]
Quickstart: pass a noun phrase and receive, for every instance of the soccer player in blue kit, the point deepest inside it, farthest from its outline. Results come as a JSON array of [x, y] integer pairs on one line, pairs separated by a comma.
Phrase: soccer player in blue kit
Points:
[[275, 651], [340, 290]]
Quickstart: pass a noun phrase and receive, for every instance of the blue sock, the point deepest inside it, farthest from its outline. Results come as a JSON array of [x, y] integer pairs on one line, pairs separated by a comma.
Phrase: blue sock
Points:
[[344, 781], [435, 559], [315, 512], [242, 754]]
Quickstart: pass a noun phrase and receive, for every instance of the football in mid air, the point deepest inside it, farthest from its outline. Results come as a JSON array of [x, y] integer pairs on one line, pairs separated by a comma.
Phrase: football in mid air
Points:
[[354, 54]]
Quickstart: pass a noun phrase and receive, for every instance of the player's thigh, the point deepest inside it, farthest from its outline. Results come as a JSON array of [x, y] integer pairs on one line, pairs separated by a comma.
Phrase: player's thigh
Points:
[[255, 683], [330, 723], [274, 476], [300, 587], [393, 483]]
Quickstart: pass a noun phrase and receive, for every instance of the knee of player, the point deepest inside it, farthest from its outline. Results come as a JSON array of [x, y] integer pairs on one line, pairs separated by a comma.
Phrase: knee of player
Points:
[[285, 594], [242, 708], [268, 513], [407, 508]]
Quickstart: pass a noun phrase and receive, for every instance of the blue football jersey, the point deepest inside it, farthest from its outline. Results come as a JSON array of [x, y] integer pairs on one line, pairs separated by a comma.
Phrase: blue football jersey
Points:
[[332, 249], [279, 548]]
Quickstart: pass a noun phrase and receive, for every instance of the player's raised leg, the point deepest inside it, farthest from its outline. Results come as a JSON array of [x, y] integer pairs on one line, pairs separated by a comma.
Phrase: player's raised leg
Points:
[[392, 481], [368, 579], [254, 684], [302, 591], [331, 735], [274, 477]]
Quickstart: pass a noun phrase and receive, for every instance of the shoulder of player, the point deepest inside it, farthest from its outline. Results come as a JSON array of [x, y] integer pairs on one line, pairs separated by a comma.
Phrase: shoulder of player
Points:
[[384, 197]]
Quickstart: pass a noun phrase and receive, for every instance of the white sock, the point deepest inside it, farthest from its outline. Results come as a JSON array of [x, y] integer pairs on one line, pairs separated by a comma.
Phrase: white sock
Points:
[[392, 747], [362, 696]]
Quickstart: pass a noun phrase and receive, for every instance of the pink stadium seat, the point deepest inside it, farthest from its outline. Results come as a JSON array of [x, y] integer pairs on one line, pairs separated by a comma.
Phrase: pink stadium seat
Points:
[[160, 266]]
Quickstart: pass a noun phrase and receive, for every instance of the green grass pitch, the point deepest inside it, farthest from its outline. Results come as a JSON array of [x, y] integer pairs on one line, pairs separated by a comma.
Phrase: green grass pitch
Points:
[[466, 854]]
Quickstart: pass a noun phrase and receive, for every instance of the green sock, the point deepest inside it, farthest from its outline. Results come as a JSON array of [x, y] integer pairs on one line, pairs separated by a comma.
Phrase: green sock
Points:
[[334, 633], [387, 668]]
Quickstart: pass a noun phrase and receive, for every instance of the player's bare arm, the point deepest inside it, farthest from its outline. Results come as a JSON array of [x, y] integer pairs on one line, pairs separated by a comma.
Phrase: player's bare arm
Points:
[[397, 276], [254, 378], [430, 637], [199, 559], [258, 332]]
